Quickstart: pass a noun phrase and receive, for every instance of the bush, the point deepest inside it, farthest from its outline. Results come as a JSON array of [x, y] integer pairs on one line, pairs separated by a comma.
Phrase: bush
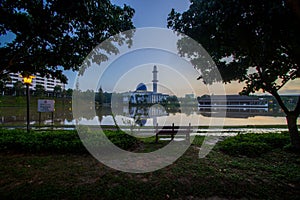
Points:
[[56, 141], [275, 140], [290, 148], [250, 149], [198, 140], [121, 139], [253, 145], [40, 141]]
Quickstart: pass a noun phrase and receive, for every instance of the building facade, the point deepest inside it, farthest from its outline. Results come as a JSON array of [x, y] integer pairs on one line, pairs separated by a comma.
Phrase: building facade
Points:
[[47, 83], [232, 101]]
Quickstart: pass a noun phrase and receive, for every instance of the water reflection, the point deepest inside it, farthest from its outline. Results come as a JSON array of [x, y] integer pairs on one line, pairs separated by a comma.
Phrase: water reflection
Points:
[[146, 116], [141, 114], [240, 112], [16, 116]]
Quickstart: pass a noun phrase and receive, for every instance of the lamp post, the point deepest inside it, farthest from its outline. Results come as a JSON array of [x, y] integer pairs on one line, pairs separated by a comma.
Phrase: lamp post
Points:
[[27, 81]]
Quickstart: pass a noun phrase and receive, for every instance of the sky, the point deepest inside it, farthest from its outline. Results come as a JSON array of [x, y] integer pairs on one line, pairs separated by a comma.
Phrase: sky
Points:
[[133, 65], [152, 13]]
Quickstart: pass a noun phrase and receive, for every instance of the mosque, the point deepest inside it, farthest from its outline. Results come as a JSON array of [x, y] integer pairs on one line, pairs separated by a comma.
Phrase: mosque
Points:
[[142, 96]]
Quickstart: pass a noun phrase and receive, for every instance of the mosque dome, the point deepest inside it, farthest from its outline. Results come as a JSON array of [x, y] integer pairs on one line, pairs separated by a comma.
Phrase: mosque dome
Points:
[[141, 87], [141, 122]]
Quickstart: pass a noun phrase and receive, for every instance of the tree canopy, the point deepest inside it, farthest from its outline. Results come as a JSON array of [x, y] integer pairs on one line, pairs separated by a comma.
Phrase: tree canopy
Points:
[[57, 90], [261, 37], [18, 88], [39, 90], [258, 34], [54, 33]]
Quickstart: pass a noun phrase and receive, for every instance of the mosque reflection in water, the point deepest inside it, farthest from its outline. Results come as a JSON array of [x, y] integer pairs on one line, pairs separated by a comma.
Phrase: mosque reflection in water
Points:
[[143, 114]]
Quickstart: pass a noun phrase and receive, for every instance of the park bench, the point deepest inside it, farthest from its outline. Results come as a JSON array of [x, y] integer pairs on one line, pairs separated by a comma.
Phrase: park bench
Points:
[[172, 131]]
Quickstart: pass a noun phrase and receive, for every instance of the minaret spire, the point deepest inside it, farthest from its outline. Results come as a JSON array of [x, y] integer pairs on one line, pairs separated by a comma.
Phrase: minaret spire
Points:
[[154, 79]]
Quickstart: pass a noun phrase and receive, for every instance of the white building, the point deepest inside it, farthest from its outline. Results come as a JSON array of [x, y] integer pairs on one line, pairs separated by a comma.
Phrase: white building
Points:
[[48, 83], [232, 101]]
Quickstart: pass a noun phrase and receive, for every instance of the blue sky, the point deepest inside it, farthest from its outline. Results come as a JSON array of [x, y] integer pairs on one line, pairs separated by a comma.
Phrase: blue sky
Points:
[[134, 65], [153, 13]]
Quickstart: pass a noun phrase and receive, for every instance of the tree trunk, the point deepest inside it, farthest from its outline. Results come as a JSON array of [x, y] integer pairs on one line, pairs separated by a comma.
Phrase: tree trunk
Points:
[[293, 129], [291, 118]]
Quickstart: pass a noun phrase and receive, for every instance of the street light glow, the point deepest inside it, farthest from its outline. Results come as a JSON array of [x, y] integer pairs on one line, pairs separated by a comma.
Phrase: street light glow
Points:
[[27, 79]]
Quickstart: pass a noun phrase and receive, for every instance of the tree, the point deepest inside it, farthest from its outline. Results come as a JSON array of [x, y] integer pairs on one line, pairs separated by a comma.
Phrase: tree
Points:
[[57, 90], [54, 33], [39, 90], [261, 37], [107, 97], [100, 96], [69, 92], [18, 88], [3, 83], [2, 87]]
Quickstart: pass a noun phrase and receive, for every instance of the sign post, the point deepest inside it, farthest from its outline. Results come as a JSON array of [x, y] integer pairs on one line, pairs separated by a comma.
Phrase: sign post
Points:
[[46, 105], [27, 81]]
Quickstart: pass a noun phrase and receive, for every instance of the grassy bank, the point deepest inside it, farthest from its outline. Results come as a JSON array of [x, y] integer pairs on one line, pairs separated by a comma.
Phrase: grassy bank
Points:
[[20, 101], [43, 174]]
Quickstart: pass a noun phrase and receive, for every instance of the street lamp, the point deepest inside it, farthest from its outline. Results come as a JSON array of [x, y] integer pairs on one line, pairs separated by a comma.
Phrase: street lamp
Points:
[[27, 81]]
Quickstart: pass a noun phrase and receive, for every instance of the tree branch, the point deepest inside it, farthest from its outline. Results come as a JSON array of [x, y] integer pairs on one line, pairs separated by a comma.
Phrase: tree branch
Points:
[[258, 68], [283, 84], [10, 63]]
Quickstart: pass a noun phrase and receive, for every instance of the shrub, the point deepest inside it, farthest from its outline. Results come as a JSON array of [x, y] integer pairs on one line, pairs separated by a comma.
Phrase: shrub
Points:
[[121, 139], [250, 149], [252, 145], [275, 140], [96, 140], [198, 140], [290, 148], [56, 141]]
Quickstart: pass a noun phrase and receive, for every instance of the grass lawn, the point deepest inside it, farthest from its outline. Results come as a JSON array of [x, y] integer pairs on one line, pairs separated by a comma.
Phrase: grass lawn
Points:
[[272, 175], [21, 100]]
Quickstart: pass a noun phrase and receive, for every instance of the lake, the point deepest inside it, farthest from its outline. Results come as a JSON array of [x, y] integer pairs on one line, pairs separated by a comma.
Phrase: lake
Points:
[[147, 116]]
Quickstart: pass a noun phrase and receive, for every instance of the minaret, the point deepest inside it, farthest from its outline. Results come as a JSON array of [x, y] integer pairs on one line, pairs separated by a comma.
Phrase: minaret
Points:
[[154, 79]]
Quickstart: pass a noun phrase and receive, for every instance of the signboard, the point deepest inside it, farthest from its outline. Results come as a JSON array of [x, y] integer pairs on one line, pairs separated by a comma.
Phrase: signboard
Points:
[[45, 105]]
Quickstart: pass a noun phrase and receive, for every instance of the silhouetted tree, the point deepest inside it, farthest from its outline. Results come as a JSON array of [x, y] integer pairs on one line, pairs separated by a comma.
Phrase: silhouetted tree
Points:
[[18, 88], [57, 90], [261, 37], [39, 90], [69, 92], [53, 33], [3, 83], [100, 96]]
